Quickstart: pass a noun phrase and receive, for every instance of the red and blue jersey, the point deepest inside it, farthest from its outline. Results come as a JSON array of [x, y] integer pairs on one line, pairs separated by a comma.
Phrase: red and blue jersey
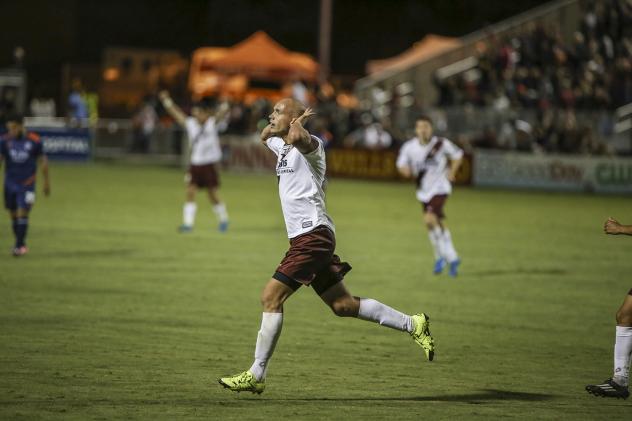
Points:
[[20, 156]]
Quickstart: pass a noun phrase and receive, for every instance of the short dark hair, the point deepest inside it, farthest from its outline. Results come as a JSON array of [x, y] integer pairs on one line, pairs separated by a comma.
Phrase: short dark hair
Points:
[[206, 103], [424, 117]]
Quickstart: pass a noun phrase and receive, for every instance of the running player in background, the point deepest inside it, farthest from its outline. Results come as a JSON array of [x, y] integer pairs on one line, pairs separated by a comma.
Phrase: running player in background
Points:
[[617, 385], [21, 151], [425, 159], [202, 130], [310, 260]]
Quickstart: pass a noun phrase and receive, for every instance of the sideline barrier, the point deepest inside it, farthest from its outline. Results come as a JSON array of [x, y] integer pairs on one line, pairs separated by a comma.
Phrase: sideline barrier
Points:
[[61, 143], [552, 172], [378, 165], [249, 155]]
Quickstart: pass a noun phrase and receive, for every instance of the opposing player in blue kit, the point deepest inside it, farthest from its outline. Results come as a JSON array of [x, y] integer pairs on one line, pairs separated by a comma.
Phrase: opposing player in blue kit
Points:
[[21, 152]]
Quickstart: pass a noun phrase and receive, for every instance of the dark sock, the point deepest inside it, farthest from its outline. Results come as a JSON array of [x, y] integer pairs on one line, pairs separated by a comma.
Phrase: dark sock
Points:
[[21, 227], [14, 224]]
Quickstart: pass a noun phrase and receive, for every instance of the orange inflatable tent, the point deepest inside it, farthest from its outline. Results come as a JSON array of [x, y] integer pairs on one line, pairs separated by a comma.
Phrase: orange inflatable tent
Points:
[[257, 65], [429, 46]]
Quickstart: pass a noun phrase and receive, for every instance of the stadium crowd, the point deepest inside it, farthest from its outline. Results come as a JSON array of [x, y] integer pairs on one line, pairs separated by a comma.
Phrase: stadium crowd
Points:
[[535, 92], [559, 82]]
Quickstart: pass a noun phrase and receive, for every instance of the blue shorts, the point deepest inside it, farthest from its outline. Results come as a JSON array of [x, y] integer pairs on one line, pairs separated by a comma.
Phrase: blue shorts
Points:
[[19, 197]]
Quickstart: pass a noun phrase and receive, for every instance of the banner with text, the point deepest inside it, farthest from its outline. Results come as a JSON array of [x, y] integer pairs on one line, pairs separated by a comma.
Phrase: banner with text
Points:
[[244, 154], [65, 143], [552, 172], [377, 165]]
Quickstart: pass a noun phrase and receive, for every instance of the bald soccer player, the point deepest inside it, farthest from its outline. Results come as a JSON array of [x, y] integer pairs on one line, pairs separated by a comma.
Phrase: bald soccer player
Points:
[[310, 261]]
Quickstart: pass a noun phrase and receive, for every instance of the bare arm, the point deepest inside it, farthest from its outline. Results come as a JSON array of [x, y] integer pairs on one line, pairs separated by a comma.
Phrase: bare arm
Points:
[[44, 165], [405, 172], [300, 138], [174, 111], [613, 227], [455, 164]]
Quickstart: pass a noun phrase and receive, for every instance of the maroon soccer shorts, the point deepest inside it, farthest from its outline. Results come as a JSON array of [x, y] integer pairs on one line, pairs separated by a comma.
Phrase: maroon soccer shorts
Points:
[[204, 175], [435, 205], [311, 261]]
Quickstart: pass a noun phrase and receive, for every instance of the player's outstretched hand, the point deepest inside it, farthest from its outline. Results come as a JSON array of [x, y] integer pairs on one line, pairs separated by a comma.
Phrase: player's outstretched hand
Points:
[[164, 95], [303, 117], [612, 226]]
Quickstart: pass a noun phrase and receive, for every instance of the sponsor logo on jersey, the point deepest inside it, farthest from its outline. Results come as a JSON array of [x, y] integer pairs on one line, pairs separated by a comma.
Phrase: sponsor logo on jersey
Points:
[[19, 156], [282, 167]]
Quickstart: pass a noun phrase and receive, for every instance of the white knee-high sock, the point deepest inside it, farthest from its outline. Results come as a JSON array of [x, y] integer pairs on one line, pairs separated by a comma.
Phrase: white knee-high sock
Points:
[[221, 212], [435, 235], [447, 246], [377, 312], [188, 213], [622, 350], [434, 240], [271, 324]]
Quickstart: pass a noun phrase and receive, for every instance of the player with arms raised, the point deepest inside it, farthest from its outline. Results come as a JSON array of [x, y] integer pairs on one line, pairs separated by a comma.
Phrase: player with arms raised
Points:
[[21, 151], [310, 260], [202, 130], [425, 159]]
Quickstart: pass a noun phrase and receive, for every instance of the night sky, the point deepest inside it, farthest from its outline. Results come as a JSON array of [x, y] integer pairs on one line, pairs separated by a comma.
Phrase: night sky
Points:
[[54, 32]]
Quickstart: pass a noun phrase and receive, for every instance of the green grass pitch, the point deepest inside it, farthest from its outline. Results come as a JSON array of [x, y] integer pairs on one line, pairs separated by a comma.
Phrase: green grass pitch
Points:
[[113, 315]]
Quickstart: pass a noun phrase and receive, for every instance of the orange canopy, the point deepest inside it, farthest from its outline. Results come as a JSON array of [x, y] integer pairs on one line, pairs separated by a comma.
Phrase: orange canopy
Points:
[[261, 56], [429, 46]]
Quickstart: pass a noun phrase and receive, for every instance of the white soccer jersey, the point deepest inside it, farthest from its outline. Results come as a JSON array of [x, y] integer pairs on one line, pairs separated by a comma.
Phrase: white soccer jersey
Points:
[[429, 164], [204, 141], [301, 178]]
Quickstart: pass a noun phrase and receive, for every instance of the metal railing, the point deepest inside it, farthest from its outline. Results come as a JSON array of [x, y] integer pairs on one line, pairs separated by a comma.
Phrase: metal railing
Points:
[[564, 14]]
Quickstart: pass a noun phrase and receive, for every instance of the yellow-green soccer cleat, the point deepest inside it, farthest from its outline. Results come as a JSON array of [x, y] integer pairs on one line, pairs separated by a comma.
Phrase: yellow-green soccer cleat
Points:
[[243, 382], [421, 334]]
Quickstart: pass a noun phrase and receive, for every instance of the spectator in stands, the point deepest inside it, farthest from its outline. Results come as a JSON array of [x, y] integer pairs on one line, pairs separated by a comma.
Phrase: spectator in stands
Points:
[[77, 106]]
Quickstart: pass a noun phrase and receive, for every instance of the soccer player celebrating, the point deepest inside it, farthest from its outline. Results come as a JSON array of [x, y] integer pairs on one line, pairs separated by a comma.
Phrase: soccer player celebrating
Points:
[[425, 158], [617, 385], [21, 151], [310, 260], [202, 130]]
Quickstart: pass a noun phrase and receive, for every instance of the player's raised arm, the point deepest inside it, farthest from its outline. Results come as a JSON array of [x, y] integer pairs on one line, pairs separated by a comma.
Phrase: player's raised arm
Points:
[[300, 138], [44, 165], [222, 111], [613, 227], [172, 108]]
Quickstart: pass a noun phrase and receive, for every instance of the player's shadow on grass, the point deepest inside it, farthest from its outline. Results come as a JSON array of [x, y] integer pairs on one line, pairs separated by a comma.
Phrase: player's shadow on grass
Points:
[[519, 271], [473, 398]]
